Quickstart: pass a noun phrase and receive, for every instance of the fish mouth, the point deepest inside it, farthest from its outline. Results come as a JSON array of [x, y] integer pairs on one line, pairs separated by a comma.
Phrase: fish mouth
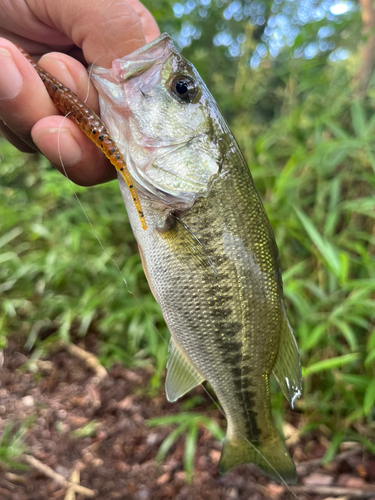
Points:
[[154, 53], [138, 62]]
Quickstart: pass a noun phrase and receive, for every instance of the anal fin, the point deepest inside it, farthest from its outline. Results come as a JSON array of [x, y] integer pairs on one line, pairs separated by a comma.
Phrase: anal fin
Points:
[[287, 369], [181, 375]]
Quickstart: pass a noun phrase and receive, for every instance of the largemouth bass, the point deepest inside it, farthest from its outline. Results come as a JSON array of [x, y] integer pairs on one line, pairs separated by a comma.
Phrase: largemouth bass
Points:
[[209, 252]]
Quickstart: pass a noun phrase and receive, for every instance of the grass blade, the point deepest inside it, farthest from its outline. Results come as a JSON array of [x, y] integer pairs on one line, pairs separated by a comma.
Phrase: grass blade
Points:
[[329, 364]]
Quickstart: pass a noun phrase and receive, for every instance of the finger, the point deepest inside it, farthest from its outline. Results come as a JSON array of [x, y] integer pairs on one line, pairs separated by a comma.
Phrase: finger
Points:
[[18, 17], [103, 30], [71, 152], [150, 26], [35, 49], [38, 26], [15, 140], [23, 97], [22, 108], [73, 74]]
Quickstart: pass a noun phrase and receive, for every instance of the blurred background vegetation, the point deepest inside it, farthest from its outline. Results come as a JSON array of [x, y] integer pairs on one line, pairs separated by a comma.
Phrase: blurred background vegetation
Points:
[[294, 80]]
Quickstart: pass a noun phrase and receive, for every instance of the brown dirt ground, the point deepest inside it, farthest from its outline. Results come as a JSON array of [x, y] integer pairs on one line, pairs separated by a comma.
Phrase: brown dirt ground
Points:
[[118, 459]]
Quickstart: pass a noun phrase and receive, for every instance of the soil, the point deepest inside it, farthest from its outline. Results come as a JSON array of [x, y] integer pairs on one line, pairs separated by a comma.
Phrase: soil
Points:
[[75, 422]]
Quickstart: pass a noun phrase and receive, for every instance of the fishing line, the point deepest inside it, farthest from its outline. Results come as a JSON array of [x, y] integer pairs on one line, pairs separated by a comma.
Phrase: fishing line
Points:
[[94, 232], [90, 69], [139, 302]]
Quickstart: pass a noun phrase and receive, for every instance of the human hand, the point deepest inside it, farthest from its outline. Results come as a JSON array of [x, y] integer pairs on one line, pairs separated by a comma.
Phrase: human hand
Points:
[[81, 32]]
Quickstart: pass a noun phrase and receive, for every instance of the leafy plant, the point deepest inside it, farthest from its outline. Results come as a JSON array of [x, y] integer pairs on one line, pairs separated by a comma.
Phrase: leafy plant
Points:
[[12, 445], [188, 424]]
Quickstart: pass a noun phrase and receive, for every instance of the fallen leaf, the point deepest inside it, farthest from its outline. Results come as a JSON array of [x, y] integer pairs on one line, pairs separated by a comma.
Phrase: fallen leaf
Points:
[[215, 456], [355, 482], [126, 403], [274, 491], [316, 478], [350, 481], [361, 469], [163, 479], [337, 498], [291, 433]]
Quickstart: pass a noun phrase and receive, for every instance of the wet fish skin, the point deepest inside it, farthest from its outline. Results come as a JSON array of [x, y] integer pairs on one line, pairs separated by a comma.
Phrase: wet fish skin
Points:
[[209, 252]]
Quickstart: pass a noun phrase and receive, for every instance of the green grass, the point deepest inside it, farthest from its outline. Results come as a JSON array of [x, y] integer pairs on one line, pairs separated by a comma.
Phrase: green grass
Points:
[[12, 446], [188, 425], [55, 275]]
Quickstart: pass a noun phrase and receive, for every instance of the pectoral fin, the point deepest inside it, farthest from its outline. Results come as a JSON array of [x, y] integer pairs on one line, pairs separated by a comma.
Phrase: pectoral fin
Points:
[[287, 369], [186, 244], [181, 375]]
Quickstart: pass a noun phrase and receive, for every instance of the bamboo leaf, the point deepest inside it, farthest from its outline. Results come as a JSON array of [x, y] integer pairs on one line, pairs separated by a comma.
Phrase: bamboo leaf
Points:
[[214, 428], [358, 120], [348, 333], [172, 419], [369, 399], [361, 382], [327, 250], [329, 364], [11, 235], [371, 341], [333, 447], [315, 336], [339, 132], [190, 447], [169, 441]]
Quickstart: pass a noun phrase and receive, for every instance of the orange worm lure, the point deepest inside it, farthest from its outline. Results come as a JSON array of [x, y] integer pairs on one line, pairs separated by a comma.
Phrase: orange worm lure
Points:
[[91, 125]]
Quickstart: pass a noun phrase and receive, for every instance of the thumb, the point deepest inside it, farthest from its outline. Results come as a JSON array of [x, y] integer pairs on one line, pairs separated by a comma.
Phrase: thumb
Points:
[[104, 30]]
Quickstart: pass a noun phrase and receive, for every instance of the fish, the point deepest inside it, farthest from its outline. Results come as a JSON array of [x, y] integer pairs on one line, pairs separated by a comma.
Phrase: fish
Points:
[[209, 252]]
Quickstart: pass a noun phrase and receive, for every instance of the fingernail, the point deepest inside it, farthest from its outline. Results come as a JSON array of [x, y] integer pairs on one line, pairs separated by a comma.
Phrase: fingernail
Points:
[[67, 153], [10, 78], [60, 70]]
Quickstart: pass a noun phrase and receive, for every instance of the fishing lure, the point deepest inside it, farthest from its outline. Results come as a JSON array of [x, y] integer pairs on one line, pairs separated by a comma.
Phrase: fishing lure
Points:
[[69, 104]]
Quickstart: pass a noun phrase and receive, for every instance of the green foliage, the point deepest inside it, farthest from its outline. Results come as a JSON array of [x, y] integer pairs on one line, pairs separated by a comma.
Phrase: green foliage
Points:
[[188, 424], [87, 430], [55, 275], [12, 446]]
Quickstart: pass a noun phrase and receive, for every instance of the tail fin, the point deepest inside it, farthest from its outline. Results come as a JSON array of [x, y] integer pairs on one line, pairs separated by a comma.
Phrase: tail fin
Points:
[[271, 457]]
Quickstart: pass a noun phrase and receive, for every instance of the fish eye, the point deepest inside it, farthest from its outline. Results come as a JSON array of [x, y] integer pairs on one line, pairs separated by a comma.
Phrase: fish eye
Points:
[[184, 88]]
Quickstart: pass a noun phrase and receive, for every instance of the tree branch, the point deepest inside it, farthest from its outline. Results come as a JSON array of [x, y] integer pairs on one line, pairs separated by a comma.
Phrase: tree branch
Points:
[[364, 492], [47, 471]]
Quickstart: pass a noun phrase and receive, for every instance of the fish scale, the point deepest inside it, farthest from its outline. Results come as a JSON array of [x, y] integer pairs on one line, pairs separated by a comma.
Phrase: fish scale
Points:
[[231, 330]]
